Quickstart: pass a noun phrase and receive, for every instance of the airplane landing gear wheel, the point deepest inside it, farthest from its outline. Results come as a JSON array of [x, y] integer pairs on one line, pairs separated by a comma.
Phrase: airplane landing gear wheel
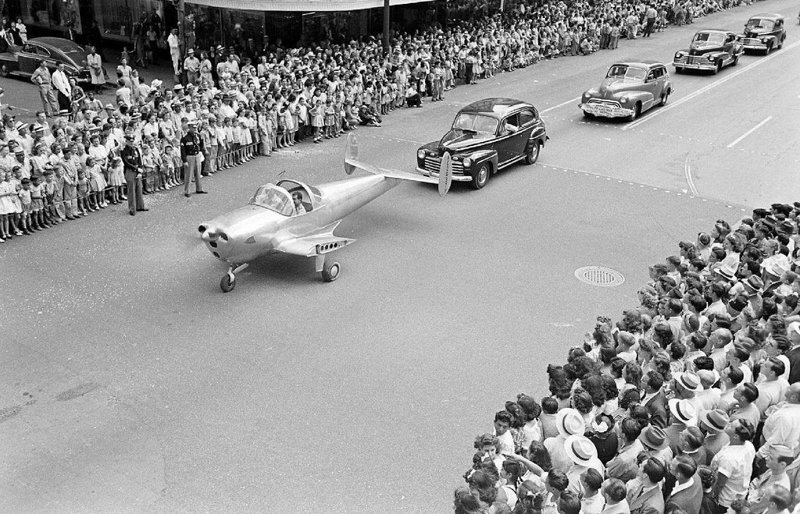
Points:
[[330, 271], [228, 282]]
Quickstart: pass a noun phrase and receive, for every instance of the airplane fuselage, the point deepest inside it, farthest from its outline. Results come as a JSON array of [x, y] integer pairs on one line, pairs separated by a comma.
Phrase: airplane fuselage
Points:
[[249, 232]]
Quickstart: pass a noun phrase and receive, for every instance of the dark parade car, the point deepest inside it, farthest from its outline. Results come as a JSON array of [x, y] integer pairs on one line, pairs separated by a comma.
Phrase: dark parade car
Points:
[[24, 59], [486, 136], [709, 50], [764, 33]]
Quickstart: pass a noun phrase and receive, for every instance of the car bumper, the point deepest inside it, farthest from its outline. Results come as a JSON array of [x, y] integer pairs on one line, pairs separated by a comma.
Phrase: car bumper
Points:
[[456, 177], [606, 111], [695, 66], [755, 46]]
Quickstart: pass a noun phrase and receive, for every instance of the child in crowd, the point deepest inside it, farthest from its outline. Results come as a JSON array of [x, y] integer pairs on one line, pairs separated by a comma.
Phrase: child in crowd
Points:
[[36, 214], [116, 179], [168, 167], [26, 224], [97, 184], [329, 119], [84, 207], [317, 120]]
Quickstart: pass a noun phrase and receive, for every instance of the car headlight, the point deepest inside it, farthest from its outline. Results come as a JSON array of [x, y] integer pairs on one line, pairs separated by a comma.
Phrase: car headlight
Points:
[[421, 154], [623, 100], [764, 40], [467, 162], [678, 55]]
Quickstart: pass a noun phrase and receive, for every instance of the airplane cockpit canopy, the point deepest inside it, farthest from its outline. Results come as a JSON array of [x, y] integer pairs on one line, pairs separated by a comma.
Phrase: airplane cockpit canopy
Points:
[[309, 195], [274, 198]]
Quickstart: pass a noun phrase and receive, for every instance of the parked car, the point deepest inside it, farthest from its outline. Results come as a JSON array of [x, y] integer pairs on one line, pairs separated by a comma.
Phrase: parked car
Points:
[[764, 33], [23, 60], [486, 136], [629, 89], [709, 50]]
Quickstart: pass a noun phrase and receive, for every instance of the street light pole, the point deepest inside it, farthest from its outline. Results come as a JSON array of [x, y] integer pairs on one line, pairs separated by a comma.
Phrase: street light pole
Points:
[[386, 4]]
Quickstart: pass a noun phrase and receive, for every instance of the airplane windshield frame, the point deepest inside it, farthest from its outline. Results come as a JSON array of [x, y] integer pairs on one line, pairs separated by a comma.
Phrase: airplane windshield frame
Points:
[[273, 198]]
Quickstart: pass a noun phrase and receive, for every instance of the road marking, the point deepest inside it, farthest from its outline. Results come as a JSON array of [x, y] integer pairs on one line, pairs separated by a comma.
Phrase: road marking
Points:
[[562, 104], [677, 103], [687, 170], [749, 132]]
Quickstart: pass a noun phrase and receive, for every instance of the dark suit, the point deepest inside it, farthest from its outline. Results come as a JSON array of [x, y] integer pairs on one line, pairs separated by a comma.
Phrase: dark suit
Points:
[[794, 364], [651, 502], [689, 499], [657, 407]]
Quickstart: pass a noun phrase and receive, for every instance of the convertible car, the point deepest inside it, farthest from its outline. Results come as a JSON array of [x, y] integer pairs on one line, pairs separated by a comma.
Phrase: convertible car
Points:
[[709, 50], [764, 33], [486, 136], [629, 89], [23, 60]]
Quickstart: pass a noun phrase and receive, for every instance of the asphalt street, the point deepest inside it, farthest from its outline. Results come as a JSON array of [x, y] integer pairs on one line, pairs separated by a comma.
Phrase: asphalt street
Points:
[[130, 383]]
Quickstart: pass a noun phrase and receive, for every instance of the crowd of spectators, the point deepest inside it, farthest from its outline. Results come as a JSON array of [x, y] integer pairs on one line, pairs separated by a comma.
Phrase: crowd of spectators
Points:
[[244, 103], [688, 404]]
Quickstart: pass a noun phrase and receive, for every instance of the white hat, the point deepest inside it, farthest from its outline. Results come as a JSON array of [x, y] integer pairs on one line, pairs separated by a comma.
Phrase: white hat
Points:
[[580, 450], [570, 422], [689, 381], [683, 411]]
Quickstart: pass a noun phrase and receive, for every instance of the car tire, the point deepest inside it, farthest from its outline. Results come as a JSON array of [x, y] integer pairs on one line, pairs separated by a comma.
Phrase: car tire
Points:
[[769, 49], [4, 72], [664, 98], [718, 67], [481, 177], [533, 153], [678, 70], [637, 111], [588, 115], [735, 60], [780, 45]]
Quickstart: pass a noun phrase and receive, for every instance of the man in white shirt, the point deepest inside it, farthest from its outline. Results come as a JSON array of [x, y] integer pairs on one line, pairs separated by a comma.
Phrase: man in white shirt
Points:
[[782, 426], [771, 388], [174, 50], [733, 464], [62, 87], [583, 455]]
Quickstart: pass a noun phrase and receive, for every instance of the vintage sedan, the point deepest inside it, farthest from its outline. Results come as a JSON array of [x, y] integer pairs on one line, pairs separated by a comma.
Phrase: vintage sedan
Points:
[[486, 136], [23, 60], [710, 50], [764, 33], [629, 89]]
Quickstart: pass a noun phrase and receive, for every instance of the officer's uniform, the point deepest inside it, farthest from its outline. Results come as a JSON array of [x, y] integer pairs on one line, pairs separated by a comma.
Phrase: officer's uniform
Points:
[[132, 161], [191, 153]]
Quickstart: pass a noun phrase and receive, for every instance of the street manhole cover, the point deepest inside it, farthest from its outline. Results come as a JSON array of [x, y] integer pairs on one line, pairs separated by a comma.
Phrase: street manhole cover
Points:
[[599, 276]]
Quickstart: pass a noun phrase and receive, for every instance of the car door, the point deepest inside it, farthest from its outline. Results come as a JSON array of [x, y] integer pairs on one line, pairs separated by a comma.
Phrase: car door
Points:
[[30, 57], [509, 138], [655, 84]]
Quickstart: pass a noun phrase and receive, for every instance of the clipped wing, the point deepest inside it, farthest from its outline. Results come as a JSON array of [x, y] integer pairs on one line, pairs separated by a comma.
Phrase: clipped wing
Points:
[[319, 243], [351, 163]]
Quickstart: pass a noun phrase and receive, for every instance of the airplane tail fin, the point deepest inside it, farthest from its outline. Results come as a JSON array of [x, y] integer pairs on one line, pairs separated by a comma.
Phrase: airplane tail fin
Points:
[[351, 163], [350, 153]]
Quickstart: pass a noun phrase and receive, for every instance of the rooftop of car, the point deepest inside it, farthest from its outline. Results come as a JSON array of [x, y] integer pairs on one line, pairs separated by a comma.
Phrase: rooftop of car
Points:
[[767, 16], [495, 106], [645, 63], [722, 31]]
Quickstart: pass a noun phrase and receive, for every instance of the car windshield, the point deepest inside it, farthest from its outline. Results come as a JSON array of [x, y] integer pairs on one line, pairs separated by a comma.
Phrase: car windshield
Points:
[[274, 198], [709, 37], [626, 73], [758, 23], [475, 122]]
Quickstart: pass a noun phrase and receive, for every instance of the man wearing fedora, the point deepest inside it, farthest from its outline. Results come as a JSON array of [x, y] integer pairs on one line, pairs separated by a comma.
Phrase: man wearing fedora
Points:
[[713, 423], [568, 422], [793, 332], [647, 497], [687, 495], [583, 454], [683, 415], [655, 444]]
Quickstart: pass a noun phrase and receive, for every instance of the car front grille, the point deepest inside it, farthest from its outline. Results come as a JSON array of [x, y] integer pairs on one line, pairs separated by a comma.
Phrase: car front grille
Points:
[[610, 103], [696, 59], [432, 164]]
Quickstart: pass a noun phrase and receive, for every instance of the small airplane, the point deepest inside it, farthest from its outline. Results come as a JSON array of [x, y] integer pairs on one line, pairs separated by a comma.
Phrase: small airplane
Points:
[[299, 219]]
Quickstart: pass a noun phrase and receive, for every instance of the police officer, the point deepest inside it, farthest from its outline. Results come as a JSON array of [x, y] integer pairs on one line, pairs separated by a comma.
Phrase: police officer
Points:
[[191, 154], [132, 161]]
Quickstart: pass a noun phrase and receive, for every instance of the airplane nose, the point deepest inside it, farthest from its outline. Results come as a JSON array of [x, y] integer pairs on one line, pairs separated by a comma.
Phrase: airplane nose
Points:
[[211, 233]]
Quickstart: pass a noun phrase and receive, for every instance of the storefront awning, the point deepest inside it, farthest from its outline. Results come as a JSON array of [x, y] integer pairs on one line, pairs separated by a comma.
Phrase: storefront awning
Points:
[[304, 6]]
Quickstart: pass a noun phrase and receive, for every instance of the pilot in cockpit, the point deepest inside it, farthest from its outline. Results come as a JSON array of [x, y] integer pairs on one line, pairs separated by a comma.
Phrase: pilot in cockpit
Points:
[[299, 209]]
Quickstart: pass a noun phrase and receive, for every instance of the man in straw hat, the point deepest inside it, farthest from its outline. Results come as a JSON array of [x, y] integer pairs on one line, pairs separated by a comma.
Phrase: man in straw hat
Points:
[[583, 454], [713, 423], [683, 414], [568, 422]]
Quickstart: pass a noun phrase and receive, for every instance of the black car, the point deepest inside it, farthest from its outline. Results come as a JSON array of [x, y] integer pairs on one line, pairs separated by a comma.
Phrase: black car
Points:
[[764, 33], [486, 136], [23, 60]]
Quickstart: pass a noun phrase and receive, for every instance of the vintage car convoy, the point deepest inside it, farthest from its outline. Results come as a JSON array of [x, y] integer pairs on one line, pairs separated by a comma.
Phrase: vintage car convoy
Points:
[[486, 136], [764, 33], [710, 50], [629, 89], [23, 60]]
